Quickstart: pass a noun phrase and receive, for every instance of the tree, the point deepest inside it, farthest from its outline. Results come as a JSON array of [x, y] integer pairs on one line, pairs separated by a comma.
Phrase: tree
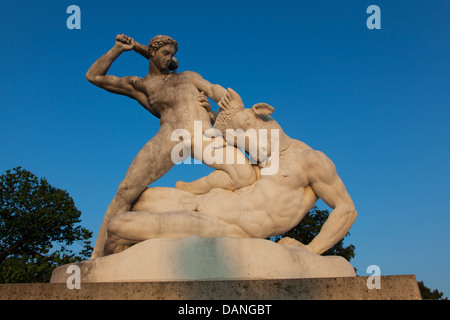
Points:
[[427, 294], [37, 224], [310, 226]]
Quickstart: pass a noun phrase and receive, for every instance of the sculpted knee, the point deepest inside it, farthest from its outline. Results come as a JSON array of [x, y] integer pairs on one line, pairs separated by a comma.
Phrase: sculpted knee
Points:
[[119, 224], [244, 177], [114, 225]]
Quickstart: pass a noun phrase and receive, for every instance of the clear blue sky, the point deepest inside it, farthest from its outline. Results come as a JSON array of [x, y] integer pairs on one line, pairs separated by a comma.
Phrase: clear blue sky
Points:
[[375, 101]]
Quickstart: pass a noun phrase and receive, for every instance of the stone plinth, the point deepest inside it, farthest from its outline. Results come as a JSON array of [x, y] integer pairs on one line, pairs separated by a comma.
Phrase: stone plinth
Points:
[[197, 258], [399, 287]]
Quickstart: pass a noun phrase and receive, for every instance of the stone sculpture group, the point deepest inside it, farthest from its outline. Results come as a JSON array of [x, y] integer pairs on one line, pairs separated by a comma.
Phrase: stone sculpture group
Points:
[[214, 227]]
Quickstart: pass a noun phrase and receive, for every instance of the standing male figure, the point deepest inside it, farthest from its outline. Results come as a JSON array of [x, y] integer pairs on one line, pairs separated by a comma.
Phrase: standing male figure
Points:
[[174, 99]]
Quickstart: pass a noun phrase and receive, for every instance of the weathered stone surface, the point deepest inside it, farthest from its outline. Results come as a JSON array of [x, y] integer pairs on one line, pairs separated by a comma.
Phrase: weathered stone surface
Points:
[[399, 287], [197, 258], [240, 198]]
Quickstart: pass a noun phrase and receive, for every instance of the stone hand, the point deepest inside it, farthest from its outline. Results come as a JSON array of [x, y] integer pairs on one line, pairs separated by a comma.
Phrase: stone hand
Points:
[[124, 42], [203, 101], [231, 100]]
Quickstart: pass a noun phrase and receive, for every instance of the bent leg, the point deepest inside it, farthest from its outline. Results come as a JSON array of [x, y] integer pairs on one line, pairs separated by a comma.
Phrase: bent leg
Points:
[[233, 169], [216, 179], [151, 163], [129, 228], [163, 199]]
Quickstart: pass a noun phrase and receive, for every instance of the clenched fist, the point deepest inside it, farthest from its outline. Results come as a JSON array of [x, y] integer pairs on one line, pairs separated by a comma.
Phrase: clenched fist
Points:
[[124, 42]]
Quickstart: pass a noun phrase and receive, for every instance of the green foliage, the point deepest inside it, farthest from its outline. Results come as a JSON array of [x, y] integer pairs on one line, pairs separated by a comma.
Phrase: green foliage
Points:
[[37, 223], [310, 226], [427, 294]]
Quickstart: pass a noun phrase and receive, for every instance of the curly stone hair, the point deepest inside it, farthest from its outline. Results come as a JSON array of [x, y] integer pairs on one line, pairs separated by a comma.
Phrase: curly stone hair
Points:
[[160, 41]]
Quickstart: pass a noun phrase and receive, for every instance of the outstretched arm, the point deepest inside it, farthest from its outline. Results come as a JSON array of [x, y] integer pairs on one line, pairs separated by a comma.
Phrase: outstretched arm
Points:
[[128, 86], [213, 91], [329, 187]]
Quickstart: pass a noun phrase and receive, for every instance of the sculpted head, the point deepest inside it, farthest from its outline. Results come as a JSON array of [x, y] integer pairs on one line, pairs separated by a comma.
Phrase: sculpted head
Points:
[[161, 51], [247, 124]]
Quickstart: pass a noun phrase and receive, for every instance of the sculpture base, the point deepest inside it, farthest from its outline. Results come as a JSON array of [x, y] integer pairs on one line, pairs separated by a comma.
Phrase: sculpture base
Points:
[[197, 258], [399, 287]]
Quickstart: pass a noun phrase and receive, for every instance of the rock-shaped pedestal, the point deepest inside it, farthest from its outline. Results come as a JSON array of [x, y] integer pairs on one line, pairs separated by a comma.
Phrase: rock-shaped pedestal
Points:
[[197, 258]]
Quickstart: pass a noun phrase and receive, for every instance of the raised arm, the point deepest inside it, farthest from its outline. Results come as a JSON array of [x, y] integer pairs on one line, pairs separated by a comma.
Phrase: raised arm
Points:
[[143, 51], [327, 185], [128, 86]]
